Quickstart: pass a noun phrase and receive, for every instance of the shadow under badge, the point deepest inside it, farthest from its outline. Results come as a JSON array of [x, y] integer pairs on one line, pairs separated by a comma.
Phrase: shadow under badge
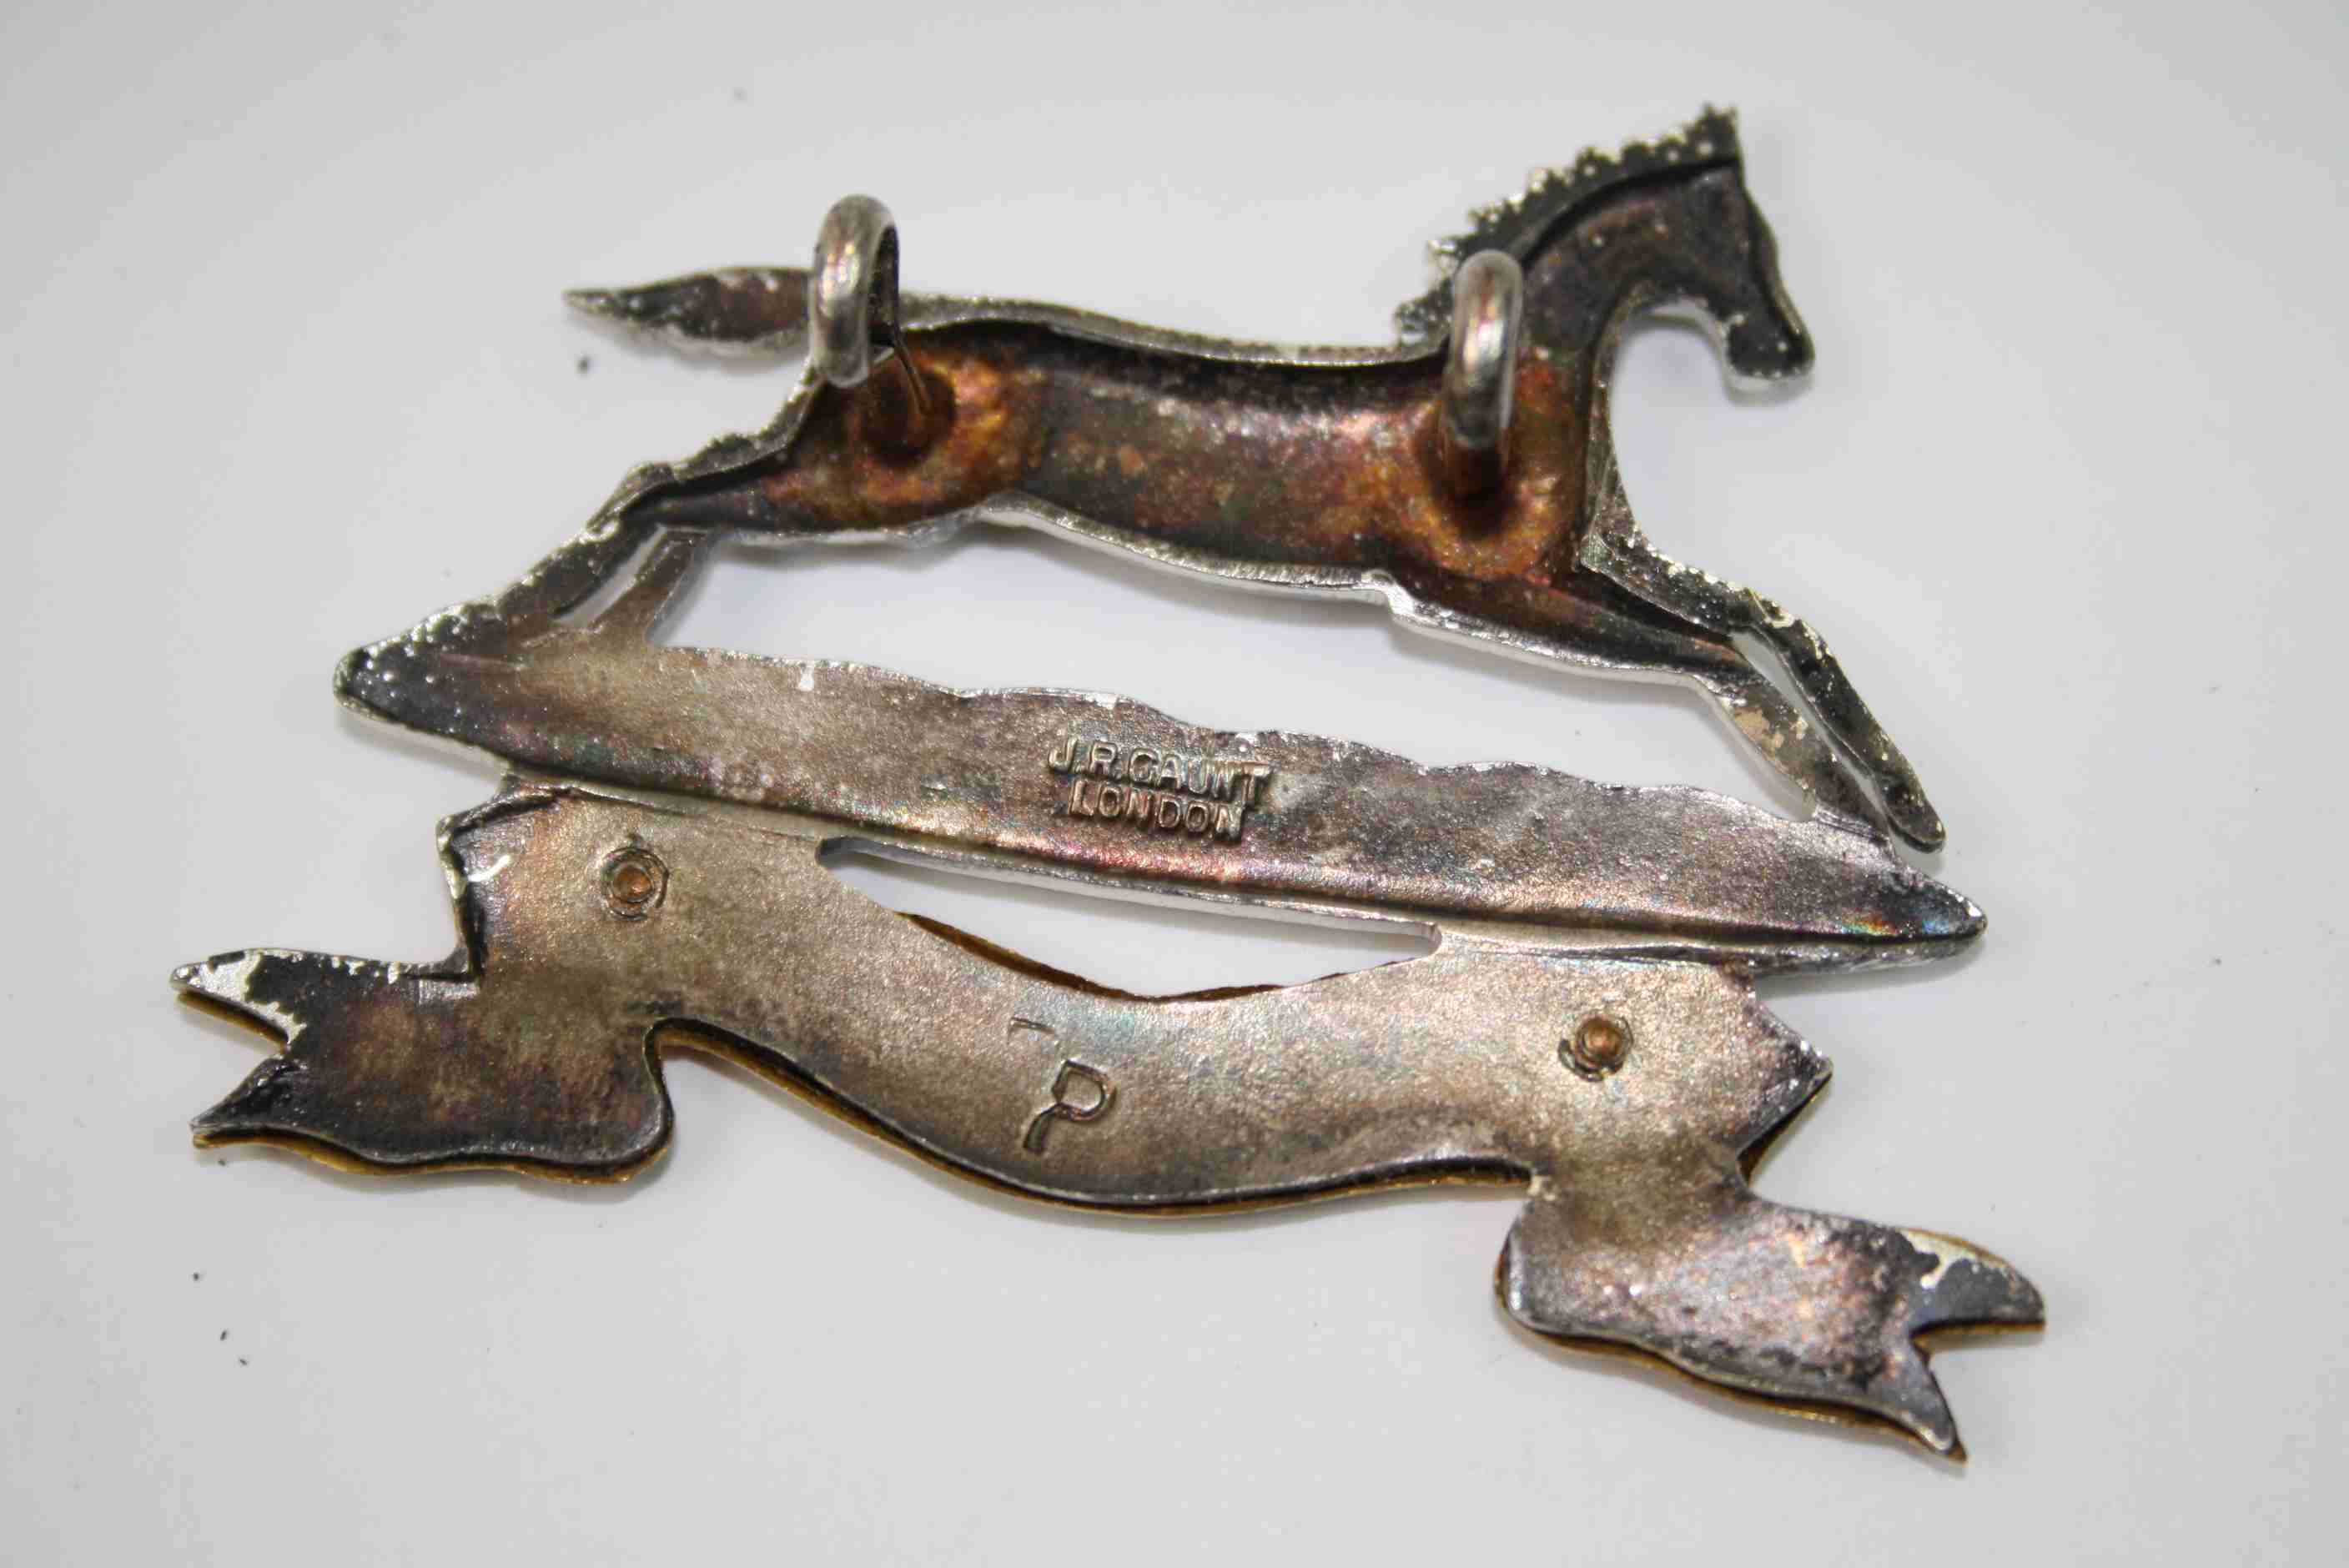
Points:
[[651, 872]]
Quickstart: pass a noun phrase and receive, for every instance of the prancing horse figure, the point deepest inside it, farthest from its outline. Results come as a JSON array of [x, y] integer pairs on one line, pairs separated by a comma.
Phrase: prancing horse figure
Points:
[[1311, 470]]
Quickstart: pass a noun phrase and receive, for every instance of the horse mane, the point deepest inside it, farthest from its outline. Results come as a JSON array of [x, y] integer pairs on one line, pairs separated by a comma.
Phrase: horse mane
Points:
[[1519, 224]]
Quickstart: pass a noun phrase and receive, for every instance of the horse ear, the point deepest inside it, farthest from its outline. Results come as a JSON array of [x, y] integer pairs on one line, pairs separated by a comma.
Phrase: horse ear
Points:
[[1713, 134]]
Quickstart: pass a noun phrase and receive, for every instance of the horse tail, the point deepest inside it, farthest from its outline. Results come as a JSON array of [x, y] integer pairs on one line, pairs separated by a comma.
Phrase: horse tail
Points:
[[735, 311]]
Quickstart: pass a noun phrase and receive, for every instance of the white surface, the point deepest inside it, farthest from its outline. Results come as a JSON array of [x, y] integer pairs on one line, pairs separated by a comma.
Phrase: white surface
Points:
[[286, 368]]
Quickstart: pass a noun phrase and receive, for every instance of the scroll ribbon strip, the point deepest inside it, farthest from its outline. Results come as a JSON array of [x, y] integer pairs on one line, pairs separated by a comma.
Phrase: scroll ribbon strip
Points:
[[536, 1047]]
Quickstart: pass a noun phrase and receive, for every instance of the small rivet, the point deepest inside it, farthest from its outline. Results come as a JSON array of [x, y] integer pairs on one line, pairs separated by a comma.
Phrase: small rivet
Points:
[[634, 882], [1597, 1047]]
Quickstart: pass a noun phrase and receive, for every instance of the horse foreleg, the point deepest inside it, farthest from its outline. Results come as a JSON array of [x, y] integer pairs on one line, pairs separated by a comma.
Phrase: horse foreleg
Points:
[[1626, 558], [1774, 726], [1580, 632], [1804, 655]]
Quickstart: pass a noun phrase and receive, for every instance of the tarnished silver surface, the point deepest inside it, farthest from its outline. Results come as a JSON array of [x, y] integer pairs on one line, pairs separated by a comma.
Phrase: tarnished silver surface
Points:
[[651, 875], [1293, 469], [1095, 787], [536, 1046]]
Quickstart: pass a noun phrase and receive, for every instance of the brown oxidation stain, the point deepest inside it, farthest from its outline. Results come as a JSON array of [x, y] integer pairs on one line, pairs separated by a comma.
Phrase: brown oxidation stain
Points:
[[1251, 462], [831, 478]]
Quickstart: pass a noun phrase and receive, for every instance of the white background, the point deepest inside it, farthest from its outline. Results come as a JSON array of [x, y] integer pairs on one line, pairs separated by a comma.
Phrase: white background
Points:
[[286, 368]]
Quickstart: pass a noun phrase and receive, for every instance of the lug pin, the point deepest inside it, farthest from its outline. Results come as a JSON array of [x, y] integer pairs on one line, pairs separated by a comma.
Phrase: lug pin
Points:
[[1480, 374], [853, 310]]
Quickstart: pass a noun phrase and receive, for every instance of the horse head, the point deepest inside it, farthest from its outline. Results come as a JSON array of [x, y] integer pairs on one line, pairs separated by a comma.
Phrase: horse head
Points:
[[1664, 226], [1725, 277]]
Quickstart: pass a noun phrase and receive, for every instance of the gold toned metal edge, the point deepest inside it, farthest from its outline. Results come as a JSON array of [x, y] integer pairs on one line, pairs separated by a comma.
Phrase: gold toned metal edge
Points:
[[772, 1068], [1941, 1337]]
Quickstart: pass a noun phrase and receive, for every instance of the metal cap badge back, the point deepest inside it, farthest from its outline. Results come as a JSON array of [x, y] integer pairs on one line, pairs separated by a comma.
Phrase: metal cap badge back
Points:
[[651, 874]]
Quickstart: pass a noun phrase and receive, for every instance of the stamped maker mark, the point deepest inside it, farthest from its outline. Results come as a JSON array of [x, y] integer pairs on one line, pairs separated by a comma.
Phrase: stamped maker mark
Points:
[[1079, 1093], [1158, 792]]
